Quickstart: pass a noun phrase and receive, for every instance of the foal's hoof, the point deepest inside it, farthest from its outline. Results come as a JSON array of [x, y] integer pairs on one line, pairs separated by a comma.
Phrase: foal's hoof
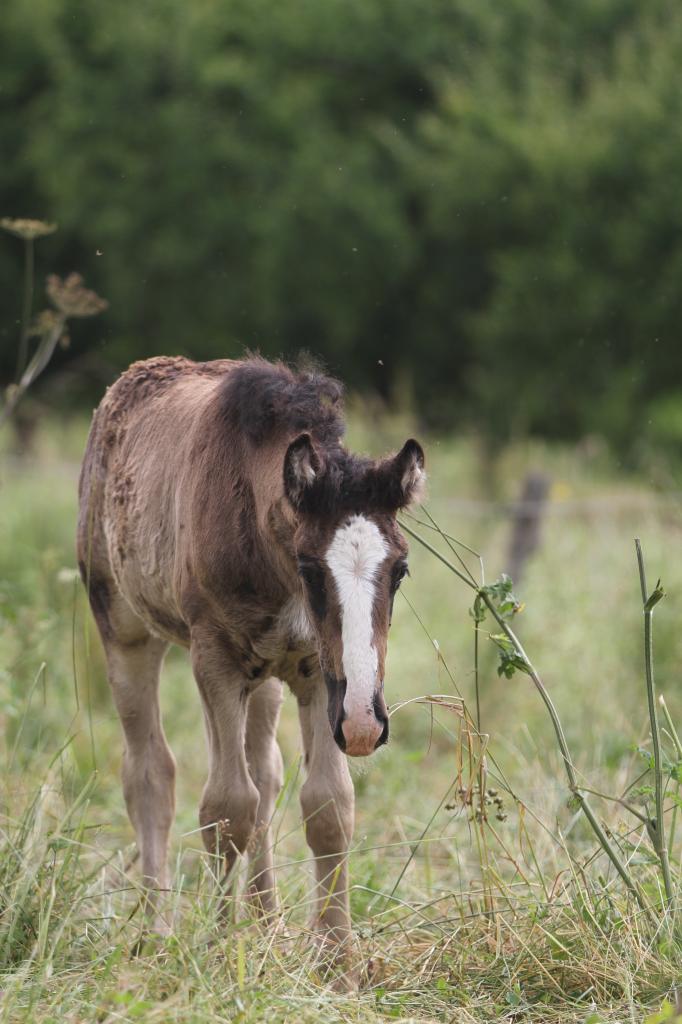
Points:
[[339, 962]]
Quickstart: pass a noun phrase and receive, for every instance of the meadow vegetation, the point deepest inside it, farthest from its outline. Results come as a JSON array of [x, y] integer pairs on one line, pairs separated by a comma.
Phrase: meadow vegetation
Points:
[[469, 210], [516, 917], [435, 196]]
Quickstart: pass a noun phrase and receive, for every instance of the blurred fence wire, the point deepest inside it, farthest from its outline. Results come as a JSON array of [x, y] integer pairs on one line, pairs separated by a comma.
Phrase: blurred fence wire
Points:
[[601, 505]]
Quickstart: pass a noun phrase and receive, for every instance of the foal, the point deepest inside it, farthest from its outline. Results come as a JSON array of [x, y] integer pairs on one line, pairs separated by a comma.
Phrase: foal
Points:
[[219, 510]]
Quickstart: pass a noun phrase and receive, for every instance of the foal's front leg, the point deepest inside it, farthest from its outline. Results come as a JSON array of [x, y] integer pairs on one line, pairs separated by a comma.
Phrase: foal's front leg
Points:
[[327, 802], [229, 804]]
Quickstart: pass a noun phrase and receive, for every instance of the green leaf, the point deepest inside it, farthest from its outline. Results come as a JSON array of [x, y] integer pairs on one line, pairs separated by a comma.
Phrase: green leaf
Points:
[[654, 597], [478, 611], [514, 996], [501, 596], [502, 641], [642, 791], [646, 755], [667, 1013], [511, 660]]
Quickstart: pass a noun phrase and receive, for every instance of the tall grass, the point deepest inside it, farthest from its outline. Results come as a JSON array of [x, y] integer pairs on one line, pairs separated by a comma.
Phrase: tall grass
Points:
[[498, 600], [480, 891]]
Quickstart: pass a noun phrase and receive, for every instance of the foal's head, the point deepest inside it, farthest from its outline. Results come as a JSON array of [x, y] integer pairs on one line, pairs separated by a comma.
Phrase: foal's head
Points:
[[351, 560]]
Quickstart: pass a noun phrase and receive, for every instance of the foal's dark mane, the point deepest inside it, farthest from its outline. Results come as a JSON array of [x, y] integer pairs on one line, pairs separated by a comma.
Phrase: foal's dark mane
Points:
[[263, 400]]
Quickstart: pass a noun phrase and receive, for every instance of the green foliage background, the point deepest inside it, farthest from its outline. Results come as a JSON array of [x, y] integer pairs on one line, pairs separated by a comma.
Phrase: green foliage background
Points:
[[469, 203]]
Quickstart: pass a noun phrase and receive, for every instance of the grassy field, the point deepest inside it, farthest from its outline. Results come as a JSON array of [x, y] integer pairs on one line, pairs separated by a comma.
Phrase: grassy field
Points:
[[519, 917]]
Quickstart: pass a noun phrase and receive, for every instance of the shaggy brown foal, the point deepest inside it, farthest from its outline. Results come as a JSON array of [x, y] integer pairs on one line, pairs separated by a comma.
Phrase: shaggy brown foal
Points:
[[220, 510]]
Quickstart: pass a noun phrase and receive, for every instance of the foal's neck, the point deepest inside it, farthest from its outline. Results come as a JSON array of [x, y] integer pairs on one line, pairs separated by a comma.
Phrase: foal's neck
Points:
[[277, 529]]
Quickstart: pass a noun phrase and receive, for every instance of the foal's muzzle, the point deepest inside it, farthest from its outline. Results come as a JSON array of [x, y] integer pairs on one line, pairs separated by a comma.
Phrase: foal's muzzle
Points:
[[366, 731]]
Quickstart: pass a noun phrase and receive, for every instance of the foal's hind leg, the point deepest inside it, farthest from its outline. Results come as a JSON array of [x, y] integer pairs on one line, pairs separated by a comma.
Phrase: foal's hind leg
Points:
[[134, 659], [229, 803], [265, 768]]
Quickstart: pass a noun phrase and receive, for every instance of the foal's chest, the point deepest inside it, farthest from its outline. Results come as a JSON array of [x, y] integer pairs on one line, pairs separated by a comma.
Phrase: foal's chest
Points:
[[288, 649]]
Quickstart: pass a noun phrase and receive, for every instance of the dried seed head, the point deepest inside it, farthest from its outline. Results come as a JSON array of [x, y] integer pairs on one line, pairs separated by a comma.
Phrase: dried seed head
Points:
[[27, 229], [71, 298]]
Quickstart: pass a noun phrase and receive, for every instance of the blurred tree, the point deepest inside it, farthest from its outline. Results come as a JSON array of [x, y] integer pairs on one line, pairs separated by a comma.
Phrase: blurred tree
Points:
[[471, 201]]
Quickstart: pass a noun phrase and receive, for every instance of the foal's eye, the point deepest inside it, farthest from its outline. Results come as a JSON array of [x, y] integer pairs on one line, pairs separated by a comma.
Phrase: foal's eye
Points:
[[400, 571], [309, 569], [312, 574]]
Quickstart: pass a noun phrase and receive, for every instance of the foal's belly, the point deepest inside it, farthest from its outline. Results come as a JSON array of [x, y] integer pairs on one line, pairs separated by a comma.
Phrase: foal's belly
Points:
[[144, 578], [155, 605]]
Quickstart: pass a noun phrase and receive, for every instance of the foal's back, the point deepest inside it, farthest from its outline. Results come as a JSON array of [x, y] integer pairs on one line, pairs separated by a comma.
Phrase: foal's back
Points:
[[150, 436]]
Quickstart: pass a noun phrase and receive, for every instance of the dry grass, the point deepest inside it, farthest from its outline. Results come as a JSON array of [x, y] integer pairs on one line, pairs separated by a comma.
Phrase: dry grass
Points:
[[457, 919]]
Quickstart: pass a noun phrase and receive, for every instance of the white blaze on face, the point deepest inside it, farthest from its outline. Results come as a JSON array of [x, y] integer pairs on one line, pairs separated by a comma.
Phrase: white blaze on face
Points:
[[353, 557]]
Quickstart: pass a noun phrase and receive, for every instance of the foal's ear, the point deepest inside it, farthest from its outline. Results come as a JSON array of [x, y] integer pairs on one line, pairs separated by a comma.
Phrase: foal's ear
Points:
[[407, 470], [301, 466]]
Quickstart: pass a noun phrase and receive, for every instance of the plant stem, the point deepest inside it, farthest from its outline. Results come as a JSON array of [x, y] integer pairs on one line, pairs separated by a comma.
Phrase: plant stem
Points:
[[603, 839], [450, 566], [618, 800], [39, 361], [476, 679], [565, 753], [649, 601], [29, 264]]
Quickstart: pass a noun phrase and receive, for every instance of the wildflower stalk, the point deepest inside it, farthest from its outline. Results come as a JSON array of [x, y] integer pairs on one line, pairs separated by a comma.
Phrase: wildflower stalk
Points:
[[657, 828], [41, 358], [580, 797], [27, 230], [29, 277], [69, 298]]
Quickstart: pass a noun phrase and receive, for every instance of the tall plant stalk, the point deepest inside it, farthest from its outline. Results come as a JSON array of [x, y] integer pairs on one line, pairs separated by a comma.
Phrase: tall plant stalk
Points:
[[29, 278], [579, 795], [657, 827], [69, 299], [529, 668]]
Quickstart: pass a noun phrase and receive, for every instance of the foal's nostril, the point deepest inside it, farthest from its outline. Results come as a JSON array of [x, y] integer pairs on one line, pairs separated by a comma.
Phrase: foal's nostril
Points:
[[336, 692], [384, 734], [382, 718], [365, 730], [339, 734]]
